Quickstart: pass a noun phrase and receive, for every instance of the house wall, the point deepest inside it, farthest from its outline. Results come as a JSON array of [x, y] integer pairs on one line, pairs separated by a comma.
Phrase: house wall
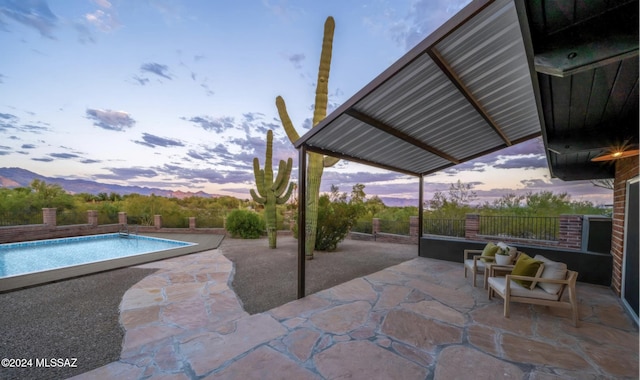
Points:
[[625, 169]]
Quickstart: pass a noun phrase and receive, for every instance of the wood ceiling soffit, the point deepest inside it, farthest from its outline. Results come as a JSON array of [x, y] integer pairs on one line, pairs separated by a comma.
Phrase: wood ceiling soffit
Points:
[[439, 60], [401, 135]]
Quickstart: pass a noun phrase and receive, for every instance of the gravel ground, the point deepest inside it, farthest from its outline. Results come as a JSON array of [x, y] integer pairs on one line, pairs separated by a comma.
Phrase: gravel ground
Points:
[[266, 278], [75, 318], [78, 318]]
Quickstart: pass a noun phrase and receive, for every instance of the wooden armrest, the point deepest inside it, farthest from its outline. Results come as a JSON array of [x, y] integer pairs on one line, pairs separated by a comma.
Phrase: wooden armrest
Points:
[[470, 251], [486, 258]]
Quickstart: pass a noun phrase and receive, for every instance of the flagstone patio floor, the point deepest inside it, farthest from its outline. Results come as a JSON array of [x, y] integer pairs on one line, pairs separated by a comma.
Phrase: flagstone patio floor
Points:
[[417, 320]]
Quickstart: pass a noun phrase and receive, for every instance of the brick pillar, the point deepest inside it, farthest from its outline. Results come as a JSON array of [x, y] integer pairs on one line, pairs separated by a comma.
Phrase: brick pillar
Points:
[[157, 221], [570, 235], [414, 228], [471, 226], [122, 217], [626, 169], [92, 217], [192, 222], [375, 226], [49, 216]]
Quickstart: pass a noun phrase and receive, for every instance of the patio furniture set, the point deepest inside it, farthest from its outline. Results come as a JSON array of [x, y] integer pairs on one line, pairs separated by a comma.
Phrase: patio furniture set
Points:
[[516, 277]]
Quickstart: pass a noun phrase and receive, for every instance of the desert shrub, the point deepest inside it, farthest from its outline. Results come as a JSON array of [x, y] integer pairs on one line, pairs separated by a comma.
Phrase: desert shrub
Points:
[[336, 216], [245, 224]]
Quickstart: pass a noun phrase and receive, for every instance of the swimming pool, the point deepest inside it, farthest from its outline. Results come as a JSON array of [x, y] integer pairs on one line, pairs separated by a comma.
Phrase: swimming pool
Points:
[[29, 263]]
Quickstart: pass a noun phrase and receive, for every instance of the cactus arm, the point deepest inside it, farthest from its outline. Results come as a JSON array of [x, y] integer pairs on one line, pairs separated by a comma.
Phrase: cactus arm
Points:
[[259, 174], [322, 88], [282, 200], [279, 185], [329, 161], [258, 199], [284, 174], [286, 120]]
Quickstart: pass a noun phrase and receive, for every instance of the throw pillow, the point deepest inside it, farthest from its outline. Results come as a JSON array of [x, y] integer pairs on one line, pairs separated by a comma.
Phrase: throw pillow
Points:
[[489, 250], [554, 270], [527, 266]]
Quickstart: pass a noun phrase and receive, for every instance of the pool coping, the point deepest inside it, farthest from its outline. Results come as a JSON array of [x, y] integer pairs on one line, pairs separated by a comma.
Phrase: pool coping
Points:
[[37, 278]]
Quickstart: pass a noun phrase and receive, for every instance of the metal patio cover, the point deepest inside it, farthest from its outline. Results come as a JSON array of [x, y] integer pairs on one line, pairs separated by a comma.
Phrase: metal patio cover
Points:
[[496, 74], [463, 92]]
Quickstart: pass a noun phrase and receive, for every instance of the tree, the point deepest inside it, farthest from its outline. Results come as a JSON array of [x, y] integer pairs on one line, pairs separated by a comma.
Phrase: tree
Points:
[[317, 162], [461, 194]]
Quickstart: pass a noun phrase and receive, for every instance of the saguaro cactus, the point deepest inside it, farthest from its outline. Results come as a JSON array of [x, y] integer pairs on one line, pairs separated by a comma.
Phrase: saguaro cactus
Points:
[[317, 162], [271, 193]]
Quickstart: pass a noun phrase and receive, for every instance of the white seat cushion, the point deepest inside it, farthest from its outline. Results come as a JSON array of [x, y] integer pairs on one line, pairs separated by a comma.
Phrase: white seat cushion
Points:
[[517, 290], [479, 264], [554, 270]]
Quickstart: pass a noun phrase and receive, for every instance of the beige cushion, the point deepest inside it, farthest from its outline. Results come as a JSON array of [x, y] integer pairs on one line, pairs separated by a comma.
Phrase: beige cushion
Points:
[[553, 270], [479, 265], [517, 290]]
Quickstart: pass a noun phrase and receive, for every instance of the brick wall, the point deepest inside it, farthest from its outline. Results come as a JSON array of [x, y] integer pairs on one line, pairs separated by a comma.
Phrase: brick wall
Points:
[[625, 169]]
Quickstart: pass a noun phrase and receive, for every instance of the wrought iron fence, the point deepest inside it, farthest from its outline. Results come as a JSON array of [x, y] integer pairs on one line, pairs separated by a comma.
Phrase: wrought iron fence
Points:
[[362, 226], [443, 227], [107, 217], [12, 218], [67, 218], [210, 221], [397, 227], [536, 228]]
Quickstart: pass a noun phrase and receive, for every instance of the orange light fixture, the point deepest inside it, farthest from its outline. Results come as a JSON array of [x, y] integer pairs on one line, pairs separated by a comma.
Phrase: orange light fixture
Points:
[[616, 155]]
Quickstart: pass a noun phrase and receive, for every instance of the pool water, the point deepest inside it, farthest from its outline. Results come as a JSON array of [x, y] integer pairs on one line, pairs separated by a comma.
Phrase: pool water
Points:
[[41, 255]]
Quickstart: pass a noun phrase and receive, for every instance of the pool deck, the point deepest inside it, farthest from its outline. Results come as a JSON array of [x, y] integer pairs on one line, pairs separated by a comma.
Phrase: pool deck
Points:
[[417, 320]]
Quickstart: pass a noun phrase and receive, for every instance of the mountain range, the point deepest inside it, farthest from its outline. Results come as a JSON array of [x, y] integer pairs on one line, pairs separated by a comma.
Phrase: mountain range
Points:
[[17, 177]]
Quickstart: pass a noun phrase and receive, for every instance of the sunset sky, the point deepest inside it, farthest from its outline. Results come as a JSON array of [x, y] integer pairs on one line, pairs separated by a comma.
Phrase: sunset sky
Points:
[[180, 94]]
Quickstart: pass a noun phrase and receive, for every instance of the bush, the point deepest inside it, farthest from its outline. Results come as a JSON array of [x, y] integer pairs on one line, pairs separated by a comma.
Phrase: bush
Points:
[[245, 224]]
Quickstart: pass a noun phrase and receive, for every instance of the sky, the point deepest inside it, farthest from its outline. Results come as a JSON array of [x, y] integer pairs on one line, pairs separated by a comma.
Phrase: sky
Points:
[[179, 95]]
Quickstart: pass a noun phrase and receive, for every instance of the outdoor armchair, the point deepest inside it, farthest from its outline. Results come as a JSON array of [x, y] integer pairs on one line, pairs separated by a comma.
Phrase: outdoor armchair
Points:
[[546, 289]]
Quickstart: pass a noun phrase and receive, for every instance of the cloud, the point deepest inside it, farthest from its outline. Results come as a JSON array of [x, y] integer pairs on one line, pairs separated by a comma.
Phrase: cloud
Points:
[[28, 146], [90, 161], [153, 141], [282, 9], [522, 162], [8, 116], [31, 13], [296, 59], [141, 80], [11, 122], [124, 174], [110, 120], [37, 129], [105, 18], [423, 17], [43, 159], [64, 156], [84, 34], [208, 174], [217, 124], [157, 69]]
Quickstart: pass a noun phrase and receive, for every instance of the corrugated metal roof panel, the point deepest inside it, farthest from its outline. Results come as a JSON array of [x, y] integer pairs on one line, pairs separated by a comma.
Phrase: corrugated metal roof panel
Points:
[[489, 57], [351, 137]]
